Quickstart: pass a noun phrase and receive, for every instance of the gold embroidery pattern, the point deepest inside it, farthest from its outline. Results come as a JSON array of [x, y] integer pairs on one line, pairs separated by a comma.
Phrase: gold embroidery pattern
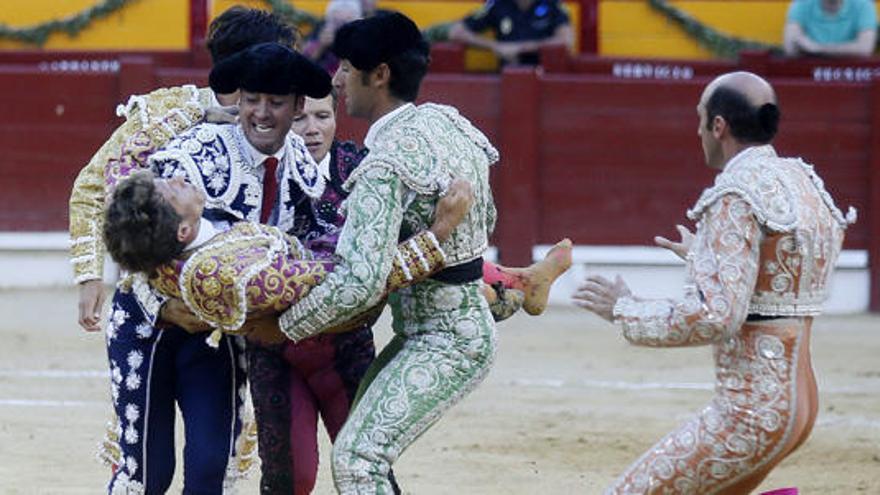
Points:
[[416, 259], [150, 121], [254, 268]]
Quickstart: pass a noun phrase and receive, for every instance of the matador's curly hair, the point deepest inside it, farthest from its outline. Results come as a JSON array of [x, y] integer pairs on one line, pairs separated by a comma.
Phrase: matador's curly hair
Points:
[[140, 226]]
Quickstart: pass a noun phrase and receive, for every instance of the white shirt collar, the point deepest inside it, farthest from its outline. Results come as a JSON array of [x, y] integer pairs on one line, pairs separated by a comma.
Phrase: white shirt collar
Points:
[[206, 232], [259, 157], [324, 166], [371, 133]]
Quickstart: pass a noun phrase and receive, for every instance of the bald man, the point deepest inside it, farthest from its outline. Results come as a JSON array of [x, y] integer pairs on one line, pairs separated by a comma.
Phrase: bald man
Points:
[[768, 236]]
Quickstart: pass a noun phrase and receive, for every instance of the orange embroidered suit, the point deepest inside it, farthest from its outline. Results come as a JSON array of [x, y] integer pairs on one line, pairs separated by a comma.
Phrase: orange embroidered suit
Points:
[[768, 237]]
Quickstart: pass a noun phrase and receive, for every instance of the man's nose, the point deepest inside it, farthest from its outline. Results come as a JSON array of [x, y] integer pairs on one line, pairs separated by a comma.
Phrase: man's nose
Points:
[[311, 128], [261, 110]]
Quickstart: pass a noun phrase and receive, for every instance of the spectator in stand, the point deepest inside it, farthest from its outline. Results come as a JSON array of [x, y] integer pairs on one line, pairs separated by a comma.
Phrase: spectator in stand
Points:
[[368, 8], [834, 28], [317, 45], [521, 28]]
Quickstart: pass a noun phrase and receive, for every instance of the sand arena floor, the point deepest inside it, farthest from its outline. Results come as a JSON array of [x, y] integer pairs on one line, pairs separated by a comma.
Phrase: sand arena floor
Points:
[[567, 406]]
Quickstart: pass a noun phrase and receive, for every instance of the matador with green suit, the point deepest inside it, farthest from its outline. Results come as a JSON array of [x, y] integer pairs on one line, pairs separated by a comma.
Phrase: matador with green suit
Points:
[[444, 340]]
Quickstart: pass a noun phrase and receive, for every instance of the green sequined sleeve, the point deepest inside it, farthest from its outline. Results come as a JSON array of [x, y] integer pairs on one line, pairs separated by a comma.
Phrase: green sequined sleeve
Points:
[[365, 252]]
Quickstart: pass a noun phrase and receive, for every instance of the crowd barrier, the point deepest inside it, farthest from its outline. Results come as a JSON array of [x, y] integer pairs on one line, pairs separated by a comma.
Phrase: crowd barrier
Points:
[[590, 150]]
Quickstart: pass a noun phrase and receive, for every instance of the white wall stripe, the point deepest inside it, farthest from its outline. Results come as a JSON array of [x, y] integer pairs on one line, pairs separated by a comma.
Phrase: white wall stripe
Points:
[[51, 403], [55, 373]]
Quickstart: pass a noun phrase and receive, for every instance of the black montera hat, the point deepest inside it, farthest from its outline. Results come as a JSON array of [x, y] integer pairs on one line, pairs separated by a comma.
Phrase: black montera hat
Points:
[[366, 43], [270, 68]]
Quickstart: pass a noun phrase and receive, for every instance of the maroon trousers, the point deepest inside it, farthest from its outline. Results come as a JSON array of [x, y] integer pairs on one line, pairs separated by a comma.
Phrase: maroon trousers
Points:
[[294, 383]]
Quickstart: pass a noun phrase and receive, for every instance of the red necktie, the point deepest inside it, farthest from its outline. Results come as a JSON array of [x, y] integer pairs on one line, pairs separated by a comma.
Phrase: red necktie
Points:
[[270, 188]]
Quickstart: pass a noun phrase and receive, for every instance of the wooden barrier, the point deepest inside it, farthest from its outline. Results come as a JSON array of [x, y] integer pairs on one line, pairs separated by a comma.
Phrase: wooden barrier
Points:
[[50, 126], [556, 60], [819, 70], [872, 222], [600, 158]]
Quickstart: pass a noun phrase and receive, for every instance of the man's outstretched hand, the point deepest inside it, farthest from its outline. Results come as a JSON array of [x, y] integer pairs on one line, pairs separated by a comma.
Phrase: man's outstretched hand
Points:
[[600, 295], [680, 249]]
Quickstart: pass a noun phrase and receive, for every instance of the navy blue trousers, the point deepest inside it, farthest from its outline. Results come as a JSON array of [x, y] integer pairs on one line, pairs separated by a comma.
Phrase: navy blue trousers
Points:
[[153, 370]]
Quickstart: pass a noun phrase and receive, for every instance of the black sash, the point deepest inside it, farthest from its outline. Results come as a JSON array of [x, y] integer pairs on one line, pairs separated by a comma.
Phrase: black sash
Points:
[[461, 274], [757, 317]]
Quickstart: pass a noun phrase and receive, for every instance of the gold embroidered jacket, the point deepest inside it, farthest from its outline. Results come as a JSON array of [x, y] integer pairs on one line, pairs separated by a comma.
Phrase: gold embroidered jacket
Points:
[[151, 120]]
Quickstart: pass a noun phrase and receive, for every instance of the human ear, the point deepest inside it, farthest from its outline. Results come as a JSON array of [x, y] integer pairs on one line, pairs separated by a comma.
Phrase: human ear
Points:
[[184, 230], [719, 127], [382, 75]]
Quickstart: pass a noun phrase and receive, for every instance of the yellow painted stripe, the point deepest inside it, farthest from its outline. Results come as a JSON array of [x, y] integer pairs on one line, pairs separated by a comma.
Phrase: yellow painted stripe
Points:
[[633, 28], [141, 26], [147, 25]]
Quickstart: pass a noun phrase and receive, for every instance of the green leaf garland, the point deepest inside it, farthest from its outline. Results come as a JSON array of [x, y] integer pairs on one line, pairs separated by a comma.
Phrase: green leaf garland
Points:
[[72, 25], [720, 44]]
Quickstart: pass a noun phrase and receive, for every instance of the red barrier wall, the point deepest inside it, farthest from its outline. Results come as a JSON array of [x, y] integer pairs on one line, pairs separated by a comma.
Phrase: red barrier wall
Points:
[[615, 162], [50, 126], [598, 158]]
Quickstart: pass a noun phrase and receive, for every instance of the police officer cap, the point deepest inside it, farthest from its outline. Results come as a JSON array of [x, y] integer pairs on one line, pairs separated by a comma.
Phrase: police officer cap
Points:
[[366, 43], [270, 68]]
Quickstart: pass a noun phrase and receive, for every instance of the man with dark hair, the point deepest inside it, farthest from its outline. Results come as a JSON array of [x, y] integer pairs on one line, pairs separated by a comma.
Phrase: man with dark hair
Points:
[[758, 268], [238, 27], [144, 226], [139, 445], [747, 123], [319, 376], [445, 334]]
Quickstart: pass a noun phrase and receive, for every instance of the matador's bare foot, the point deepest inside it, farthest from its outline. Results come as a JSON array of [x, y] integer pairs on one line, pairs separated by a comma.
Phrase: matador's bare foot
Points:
[[535, 280], [539, 277]]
